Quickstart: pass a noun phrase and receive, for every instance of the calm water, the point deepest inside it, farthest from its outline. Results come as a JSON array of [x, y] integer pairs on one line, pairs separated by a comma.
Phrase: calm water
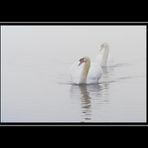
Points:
[[35, 74]]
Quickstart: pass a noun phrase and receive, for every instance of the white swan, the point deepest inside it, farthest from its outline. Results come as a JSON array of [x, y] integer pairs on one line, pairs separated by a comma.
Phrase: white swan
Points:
[[103, 55], [85, 72]]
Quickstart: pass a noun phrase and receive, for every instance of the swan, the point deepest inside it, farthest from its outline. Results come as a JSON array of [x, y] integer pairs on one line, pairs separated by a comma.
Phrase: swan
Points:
[[103, 55], [85, 72]]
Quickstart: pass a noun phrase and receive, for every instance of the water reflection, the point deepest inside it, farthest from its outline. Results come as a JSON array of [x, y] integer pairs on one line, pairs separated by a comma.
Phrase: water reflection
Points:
[[90, 96], [93, 96], [85, 102]]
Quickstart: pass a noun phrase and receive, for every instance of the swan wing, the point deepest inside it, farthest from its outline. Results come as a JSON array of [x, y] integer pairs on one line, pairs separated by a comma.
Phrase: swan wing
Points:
[[94, 73]]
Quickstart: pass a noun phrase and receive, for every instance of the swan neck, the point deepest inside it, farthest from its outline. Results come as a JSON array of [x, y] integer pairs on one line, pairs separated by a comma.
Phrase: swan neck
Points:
[[105, 56], [85, 71]]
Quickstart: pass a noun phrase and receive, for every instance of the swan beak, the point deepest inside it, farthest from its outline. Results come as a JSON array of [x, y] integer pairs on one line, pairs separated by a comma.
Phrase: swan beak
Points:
[[81, 61]]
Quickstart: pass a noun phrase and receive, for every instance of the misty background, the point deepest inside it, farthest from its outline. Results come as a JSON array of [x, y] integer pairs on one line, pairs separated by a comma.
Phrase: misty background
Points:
[[35, 62]]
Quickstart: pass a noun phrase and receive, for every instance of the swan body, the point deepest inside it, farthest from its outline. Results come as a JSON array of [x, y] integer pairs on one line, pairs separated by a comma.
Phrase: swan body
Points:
[[85, 72]]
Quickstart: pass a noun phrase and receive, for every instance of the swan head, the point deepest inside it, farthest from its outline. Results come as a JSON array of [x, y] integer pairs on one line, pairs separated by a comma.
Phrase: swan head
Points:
[[104, 46], [84, 60]]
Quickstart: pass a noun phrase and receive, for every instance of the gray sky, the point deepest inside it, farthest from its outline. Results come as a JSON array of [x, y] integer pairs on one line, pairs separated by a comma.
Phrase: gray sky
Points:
[[33, 41]]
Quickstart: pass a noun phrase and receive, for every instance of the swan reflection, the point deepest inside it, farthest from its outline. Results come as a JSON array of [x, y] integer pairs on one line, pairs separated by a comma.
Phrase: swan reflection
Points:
[[85, 102], [90, 96], [93, 96]]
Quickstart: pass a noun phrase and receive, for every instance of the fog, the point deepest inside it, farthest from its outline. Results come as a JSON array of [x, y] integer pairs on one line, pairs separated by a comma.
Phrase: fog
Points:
[[35, 62]]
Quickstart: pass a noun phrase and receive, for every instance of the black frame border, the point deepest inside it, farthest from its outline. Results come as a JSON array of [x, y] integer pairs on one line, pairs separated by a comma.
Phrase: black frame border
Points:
[[81, 124]]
